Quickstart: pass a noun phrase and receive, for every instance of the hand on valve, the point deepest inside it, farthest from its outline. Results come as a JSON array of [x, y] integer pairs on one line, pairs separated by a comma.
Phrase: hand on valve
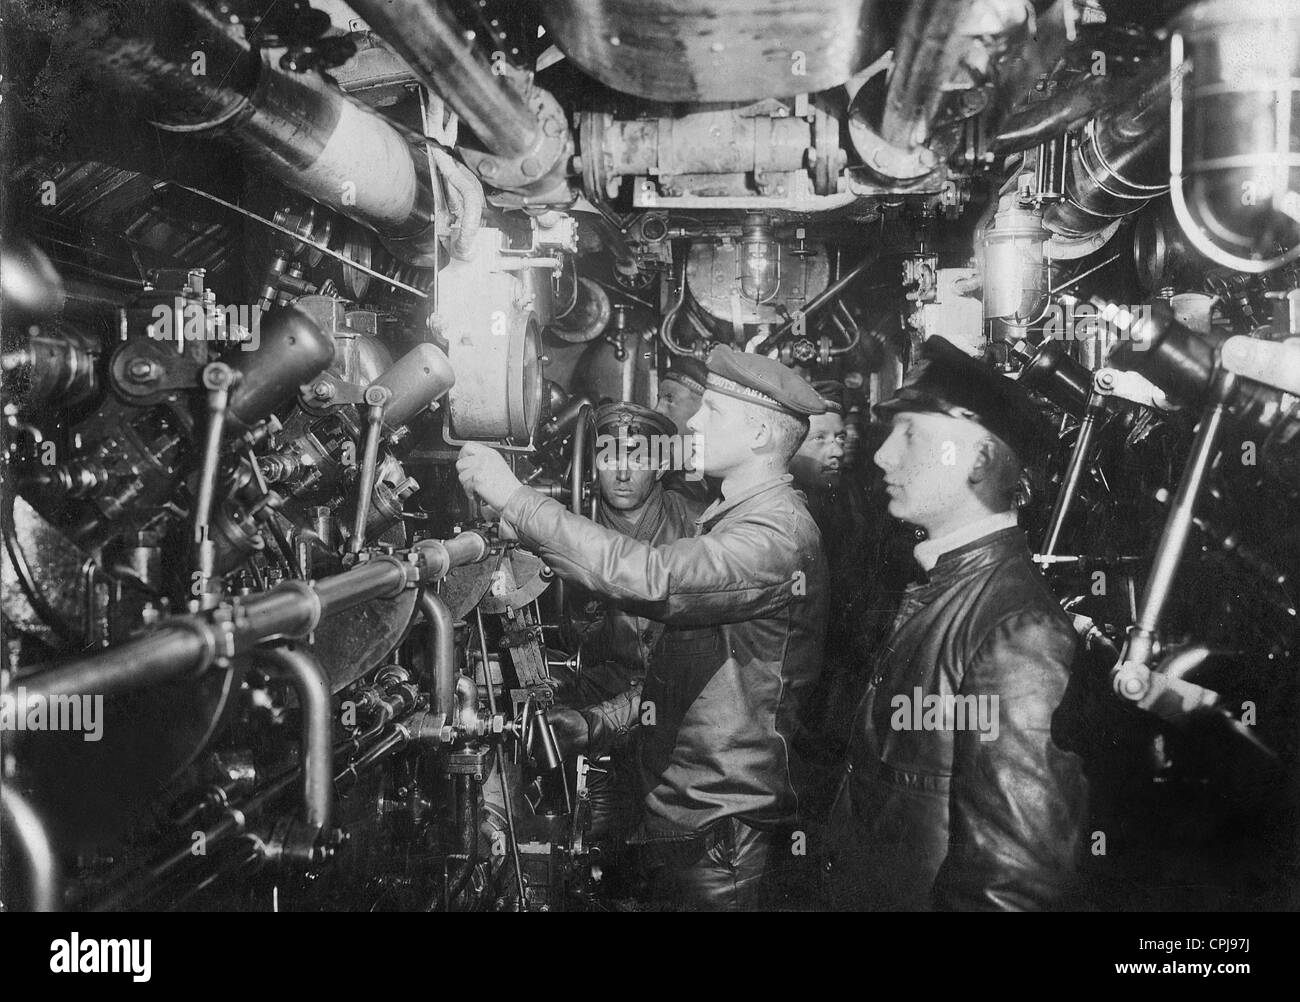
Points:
[[483, 471]]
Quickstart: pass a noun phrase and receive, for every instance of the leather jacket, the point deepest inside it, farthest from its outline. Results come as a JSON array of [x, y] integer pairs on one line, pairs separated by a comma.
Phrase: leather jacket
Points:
[[985, 815], [744, 601], [617, 637]]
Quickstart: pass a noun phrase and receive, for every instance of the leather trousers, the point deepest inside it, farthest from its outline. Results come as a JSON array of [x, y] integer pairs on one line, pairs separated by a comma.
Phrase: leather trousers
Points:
[[721, 869]]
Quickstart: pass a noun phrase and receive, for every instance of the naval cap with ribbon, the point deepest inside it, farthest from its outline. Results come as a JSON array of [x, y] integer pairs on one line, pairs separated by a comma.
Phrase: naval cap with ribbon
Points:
[[687, 370], [759, 380]]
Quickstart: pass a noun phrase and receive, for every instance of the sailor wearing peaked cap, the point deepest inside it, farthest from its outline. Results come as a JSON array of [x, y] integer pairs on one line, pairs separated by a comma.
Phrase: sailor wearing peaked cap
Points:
[[688, 371], [632, 419], [983, 627], [949, 381], [744, 604]]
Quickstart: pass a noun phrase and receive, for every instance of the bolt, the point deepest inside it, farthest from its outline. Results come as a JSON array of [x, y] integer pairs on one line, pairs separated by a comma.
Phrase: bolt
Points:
[[141, 370], [531, 167], [323, 391], [487, 168], [552, 126], [1106, 380], [1130, 684]]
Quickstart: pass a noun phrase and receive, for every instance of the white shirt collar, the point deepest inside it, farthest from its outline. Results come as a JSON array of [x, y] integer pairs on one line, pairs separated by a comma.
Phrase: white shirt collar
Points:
[[927, 553]]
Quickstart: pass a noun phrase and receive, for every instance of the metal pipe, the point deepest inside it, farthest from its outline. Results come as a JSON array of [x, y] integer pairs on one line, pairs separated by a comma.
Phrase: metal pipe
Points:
[[487, 664], [441, 651], [1179, 524], [312, 686], [187, 645], [34, 844], [1096, 407], [217, 379], [376, 398], [578, 471], [1118, 164], [297, 127], [930, 46], [430, 42], [818, 302], [466, 836], [467, 187]]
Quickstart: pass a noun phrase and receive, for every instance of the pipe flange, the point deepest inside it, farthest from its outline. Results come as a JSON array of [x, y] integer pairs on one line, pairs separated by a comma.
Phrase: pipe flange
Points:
[[887, 160], [537, 174], [313, 602], [208, 636]]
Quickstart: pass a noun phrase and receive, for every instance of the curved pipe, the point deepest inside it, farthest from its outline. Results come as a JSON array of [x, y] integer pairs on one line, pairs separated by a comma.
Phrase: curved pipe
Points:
[[817, 303], [33, 843], [441, 650], [578, 471], [1119, 164], [312, 687], [588, 317], [465, 186], [666, 326], [187, 645]]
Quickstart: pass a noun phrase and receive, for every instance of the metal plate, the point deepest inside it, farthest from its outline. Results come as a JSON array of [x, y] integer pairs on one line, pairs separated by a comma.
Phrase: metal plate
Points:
[[351, 643], [518, 587], [717, 50]]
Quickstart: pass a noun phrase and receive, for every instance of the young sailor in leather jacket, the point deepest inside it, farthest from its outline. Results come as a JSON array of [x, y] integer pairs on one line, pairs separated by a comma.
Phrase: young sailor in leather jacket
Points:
[[955, 794]]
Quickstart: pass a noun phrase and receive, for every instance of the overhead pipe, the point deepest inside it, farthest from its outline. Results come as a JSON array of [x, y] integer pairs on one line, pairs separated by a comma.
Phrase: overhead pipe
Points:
[[523, 129], [187, 645], [929, 48], [1118, 163], [311, 684], [301, 130]]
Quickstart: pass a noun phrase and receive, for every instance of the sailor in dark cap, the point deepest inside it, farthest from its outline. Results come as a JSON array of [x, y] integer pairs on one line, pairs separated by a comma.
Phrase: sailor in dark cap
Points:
[[744, 600], [635, 447], [956, 795], [681, 388], [838, 505]]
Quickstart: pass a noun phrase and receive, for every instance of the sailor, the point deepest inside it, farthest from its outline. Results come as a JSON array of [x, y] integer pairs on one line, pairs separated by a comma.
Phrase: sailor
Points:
[[680, 391], [635, 447], [956, 796], [744, 603]]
